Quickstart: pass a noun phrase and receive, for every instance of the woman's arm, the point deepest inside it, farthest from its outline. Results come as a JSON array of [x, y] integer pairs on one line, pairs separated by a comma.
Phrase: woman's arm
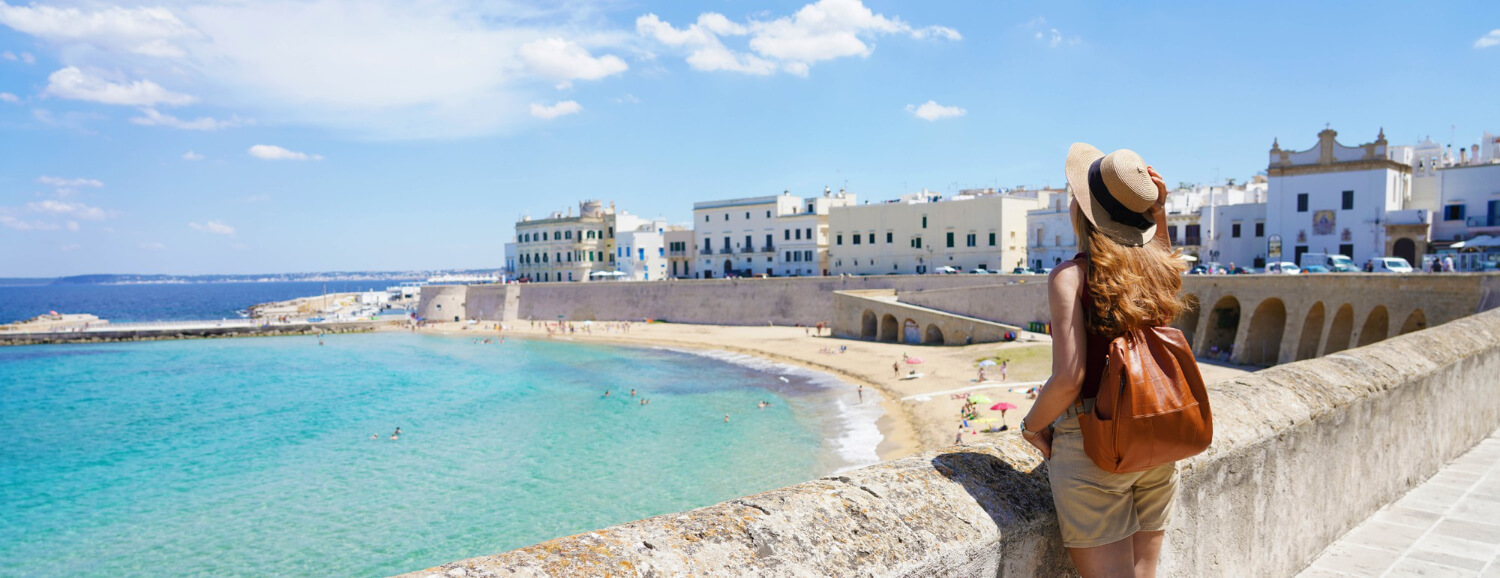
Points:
[[1068, 348], [1158, 210]]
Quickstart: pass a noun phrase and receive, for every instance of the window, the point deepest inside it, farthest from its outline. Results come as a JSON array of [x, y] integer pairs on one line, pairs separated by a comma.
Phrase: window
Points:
[[727, 245], [568, 235], [1260, 228], [992, 238], [747, 215], [786, 235], [1347, 250], [807, 255], [749, 244], [1453, 213], [640, 254], [1234, 230], [544, 235], [726, 216], [889, 237], [856, 238], [809, 234], [1348, 200], [838, 239], [916, 242], [705, 218], [809, 207], [1301, 202], [661, 252], [708, 246], [768, 214], [1172, 234], [872, 238], [611, 232], [970, 240], [768, 241], [950, 239], [924, 221]]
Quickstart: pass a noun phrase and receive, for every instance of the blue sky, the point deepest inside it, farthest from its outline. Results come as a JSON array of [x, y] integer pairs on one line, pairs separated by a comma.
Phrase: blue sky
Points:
[[393, 134]]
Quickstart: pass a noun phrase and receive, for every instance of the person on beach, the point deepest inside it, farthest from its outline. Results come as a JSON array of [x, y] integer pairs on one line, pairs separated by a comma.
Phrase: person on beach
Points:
[[981, 374], [861, 392], [1004, 365], [1125, 277], [958, 440], [896, 368]]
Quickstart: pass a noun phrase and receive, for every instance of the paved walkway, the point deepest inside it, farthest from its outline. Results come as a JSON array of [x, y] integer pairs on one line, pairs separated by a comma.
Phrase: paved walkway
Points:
[[1448, 526]]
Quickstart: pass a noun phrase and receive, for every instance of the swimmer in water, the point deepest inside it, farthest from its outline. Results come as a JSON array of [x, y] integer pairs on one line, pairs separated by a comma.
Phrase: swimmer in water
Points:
[[632, 392], [374, 436], [606, 393], [726, 418], [398, 431]]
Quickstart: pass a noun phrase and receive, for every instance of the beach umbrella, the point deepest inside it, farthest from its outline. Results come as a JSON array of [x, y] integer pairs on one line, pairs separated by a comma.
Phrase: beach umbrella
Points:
[[1004, 405], [987, 363], [985, 420], [913, 360], [980, 398]]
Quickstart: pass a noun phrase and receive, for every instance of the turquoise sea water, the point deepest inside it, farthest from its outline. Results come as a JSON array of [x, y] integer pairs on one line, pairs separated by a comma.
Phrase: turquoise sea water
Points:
[[252, 456]]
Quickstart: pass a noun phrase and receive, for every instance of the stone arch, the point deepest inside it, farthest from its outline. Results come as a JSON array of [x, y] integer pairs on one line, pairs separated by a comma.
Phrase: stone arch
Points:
[[1341, 330], [1223, 324], [910, 332], [1188, 321], [1312, 332], [1267, 324], [1417, 321], [1406, 248], [889, 328], [933, 335], [1377, 326], [869, 327]]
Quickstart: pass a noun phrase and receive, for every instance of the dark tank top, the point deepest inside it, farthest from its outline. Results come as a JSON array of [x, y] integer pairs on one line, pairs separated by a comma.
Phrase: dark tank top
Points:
[[1096, 348]]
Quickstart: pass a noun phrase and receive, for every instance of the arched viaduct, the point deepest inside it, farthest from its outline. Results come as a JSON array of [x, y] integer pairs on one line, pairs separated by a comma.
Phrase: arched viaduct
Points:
[[1256, 320]]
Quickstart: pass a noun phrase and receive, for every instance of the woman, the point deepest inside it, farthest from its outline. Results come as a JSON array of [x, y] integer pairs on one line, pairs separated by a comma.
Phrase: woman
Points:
[[1124, 277]]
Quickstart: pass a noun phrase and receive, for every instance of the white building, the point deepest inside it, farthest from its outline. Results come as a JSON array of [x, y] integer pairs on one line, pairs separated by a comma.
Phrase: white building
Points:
[[1051, 236], [923, 232], [1466, 192], [747, 236], [1333, 198], [641, 254]]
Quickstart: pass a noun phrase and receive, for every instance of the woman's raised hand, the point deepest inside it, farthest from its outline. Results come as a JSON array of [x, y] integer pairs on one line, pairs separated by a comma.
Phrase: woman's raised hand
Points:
[[1161, 186]]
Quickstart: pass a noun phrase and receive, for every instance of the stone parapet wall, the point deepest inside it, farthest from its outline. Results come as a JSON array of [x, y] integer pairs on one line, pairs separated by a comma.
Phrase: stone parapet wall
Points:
[[443, 302], [1302, 453], [206, 332]]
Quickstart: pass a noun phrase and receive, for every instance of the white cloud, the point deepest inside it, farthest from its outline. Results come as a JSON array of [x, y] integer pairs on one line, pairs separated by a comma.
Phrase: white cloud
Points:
[[567, 60], [73, 226], [276, 153], [8, 55], [75, 84], [824, 30], [139, 30], [1488, 40], [152, 117], [11, 222], [1049, 35], [28, 58], [64, 182], [215, 227], [627, 99], [562, 108], [75, 210], [191, 156], [153, 246], [11, 98], [931, 110]]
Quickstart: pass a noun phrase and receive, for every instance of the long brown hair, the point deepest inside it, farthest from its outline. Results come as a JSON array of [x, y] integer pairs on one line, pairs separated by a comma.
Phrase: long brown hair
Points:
[[1131, 287]]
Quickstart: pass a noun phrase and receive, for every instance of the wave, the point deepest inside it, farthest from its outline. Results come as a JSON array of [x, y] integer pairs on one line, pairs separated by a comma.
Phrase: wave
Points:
[[854, 436]]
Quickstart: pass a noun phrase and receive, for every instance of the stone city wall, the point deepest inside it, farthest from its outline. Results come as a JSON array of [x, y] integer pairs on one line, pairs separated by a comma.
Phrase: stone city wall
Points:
[[443, 302], [493, 302], [875, 314], [1302, 453], [203, 332], [781, 300]]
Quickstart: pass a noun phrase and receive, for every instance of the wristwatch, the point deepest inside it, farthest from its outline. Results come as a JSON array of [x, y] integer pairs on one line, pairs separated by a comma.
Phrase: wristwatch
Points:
[[1025, 432]]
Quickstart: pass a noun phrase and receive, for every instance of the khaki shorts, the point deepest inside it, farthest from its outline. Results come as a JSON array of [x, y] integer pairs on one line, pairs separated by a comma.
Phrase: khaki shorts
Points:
[[1095, 507]]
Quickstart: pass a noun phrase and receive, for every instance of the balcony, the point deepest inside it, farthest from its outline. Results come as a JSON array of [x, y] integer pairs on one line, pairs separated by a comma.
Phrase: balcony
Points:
[[726, 251], [768, 249], [1191, 241], [1483, 221], [677, 253]]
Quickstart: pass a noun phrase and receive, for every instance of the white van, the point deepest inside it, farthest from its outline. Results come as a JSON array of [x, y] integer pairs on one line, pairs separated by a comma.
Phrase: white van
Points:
[[1335, 263], [1389, 265]]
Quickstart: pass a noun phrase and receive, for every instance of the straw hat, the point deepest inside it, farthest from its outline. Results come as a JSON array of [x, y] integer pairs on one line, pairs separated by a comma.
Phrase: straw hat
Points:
[[1114, 191]]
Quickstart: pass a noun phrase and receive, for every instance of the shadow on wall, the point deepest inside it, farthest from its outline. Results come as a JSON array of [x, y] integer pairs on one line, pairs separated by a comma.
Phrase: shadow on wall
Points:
[[1018, 501]]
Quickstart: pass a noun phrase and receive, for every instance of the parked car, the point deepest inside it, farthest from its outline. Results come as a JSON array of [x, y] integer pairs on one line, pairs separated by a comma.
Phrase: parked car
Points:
[[981, 272], [1315, 269], [1333, 262], [1389, 265], [1022, 271], [1283, 267]]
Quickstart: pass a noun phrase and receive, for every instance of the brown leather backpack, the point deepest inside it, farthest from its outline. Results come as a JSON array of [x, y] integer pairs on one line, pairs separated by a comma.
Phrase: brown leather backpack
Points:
[[1152, 407]]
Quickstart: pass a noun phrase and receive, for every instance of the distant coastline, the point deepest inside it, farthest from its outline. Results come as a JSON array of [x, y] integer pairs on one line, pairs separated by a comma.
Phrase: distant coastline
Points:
[[164, 279]]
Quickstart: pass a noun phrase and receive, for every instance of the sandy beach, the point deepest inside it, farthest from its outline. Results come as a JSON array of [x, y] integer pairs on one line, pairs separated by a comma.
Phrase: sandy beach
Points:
[[920, 414]]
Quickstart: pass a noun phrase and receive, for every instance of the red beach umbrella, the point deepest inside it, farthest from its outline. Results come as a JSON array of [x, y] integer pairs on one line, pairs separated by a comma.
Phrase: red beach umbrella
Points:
[[1004, 405], [913, 360]]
